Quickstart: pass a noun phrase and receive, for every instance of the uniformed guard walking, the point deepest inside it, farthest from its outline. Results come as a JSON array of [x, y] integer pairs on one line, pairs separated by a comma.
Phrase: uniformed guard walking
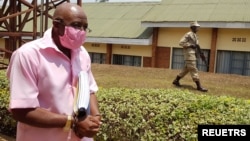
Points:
[[189, 43]]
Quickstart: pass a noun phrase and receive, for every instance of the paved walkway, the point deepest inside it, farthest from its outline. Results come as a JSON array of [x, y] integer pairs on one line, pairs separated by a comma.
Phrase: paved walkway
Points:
[[6, 138]]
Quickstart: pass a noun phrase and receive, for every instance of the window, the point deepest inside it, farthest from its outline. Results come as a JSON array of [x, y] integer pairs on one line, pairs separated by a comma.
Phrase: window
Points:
[[127, 60], [178, 60], [99, 58], [232, 62]]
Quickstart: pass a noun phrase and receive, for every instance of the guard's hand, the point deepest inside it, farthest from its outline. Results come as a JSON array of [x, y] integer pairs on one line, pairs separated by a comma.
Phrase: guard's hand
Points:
[[193, 46], [88, 127]]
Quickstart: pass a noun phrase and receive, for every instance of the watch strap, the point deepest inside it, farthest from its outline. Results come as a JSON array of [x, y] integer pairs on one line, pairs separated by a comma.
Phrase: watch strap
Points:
[[67, 126]]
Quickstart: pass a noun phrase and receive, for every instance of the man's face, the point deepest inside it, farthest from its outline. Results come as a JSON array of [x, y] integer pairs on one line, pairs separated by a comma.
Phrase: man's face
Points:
[[73, 16], [195, 28], [76, 18]]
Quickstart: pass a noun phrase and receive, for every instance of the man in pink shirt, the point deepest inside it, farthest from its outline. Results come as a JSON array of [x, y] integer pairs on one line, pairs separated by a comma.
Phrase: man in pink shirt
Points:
[[43, 78]]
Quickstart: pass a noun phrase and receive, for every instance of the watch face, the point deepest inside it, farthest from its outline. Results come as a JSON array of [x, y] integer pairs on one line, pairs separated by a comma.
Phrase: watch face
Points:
[[82, 113]]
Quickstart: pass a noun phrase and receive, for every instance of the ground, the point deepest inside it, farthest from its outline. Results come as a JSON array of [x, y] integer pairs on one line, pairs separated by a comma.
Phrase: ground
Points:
[[136, 77]]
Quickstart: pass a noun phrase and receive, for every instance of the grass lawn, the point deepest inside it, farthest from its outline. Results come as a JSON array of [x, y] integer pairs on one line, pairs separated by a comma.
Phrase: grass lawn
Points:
[[108, 76]]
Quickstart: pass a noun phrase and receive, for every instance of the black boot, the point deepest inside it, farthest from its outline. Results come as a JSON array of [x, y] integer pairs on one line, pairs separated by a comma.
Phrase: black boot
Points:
[[176, 81], [199, 88]]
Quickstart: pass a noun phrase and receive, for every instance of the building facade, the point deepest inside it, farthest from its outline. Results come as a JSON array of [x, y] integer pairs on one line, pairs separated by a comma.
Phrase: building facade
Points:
[[147, 34], [224, 38]]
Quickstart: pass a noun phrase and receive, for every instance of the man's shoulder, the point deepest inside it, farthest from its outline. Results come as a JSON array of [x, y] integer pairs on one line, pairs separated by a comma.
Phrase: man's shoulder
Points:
[[83, 50], [29, 48], [30, 45], [189, 33]]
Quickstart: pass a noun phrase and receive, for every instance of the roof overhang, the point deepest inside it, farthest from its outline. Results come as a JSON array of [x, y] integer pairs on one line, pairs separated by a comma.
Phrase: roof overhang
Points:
[[109, 40], [203, 24], [120, 41]]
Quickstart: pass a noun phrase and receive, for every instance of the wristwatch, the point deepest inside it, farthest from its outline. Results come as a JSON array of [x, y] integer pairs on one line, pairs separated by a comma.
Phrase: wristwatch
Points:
[[68, 124]]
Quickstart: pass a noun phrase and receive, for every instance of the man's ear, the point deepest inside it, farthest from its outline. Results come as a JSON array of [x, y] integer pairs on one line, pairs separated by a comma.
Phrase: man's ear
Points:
[[56, 24], [59, 28]]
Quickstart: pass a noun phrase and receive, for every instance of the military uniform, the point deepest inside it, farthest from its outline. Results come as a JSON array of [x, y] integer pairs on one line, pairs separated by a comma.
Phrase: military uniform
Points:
[[189, 42], [189, 39]]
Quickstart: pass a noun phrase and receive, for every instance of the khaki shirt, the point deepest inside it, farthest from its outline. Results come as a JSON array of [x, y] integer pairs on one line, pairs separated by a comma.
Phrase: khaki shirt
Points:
[[190, 38]]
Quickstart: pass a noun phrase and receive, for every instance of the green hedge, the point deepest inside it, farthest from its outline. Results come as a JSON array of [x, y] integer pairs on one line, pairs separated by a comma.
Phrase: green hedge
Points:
[[8, 125], [164, 114], [150, 114]]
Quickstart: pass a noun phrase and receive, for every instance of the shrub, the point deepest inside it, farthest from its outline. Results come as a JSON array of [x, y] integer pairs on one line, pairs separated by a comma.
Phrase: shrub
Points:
[[8, 124], [164, 114], [150, 114]]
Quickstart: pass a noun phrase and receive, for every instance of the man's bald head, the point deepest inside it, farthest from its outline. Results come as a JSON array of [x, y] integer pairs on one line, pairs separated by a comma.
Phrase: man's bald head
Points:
[[70, 15], [69, 12]]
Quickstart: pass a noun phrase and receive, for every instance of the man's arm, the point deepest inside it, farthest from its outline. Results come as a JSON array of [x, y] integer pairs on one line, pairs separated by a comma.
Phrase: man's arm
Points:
[[42, 118], [92, 121], [184, 42], [94, 109], [187, 41], [39, 117]]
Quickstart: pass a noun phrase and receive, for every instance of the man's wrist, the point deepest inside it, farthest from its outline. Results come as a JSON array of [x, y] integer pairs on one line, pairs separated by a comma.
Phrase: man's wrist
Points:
[[97, 114], [69, 123]]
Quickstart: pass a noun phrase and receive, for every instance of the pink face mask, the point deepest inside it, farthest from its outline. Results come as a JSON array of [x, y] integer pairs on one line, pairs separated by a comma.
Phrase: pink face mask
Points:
[[72, 38]]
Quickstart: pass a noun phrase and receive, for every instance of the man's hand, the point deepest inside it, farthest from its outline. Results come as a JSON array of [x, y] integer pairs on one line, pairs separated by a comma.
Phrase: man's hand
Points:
[[88, 127], [193, 46]]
